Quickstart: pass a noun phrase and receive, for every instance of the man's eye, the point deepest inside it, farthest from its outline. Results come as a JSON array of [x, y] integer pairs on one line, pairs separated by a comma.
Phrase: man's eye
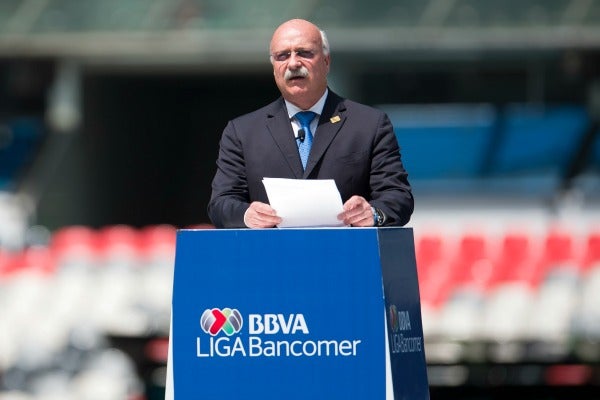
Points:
[[305, 54], [282, 56]]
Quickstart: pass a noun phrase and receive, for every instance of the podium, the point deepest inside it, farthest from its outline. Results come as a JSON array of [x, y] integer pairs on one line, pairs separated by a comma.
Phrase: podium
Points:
[[296, 314]]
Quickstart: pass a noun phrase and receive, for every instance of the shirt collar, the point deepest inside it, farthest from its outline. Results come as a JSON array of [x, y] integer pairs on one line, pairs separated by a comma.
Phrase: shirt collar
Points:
[[316, 108]]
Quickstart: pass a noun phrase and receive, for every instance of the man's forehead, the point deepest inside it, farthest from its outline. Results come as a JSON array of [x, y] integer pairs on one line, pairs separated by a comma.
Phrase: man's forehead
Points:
[[294, 37]]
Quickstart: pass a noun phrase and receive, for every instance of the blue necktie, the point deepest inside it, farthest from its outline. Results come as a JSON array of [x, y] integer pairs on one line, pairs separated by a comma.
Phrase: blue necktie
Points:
[[305, 118]]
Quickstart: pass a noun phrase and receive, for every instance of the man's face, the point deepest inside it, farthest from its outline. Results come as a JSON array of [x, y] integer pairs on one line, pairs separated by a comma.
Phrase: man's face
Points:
[[299, 65]]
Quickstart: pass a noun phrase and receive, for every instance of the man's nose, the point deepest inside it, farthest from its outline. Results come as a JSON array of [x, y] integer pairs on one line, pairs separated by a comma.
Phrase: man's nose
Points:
[[294, 61]]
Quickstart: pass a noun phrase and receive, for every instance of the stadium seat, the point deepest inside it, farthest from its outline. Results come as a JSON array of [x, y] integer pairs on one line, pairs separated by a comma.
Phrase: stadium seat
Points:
[[156, 239], [75, 245], [559, 276], [532, 135], [471, 266], [558, 248], [37, 258], [513, 259], [591, 256], [7, 264], [19, 139], [118, 246], [117, 237], [429, 251], [431, 260], [443, 141], [510, 290]]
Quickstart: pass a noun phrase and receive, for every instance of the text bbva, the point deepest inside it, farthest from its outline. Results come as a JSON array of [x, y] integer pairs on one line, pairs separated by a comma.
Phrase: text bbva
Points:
[[271, 324]]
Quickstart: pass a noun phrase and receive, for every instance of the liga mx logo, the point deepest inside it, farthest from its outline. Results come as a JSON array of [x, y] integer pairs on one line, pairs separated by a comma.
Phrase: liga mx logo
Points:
[[393, 316], [227, 320]]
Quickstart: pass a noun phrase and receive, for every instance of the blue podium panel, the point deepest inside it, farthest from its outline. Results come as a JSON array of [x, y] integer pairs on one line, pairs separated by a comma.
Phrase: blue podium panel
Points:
[[403, 312], [289, 314]]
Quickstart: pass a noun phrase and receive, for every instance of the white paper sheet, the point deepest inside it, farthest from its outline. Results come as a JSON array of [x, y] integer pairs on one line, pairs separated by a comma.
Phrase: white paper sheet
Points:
[[305, 202]]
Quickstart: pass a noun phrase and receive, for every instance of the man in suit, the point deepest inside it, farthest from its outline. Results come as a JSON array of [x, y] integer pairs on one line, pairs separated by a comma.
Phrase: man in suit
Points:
[[351, 143]]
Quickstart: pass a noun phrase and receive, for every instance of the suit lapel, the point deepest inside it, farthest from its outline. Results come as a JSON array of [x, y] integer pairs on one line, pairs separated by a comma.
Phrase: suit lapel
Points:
[[278, 123], [330, 123]]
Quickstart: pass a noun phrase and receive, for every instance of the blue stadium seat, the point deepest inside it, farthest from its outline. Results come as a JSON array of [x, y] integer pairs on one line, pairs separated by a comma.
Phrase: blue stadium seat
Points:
[[443, 141], [19, 138], [538, 139], [594, 160]]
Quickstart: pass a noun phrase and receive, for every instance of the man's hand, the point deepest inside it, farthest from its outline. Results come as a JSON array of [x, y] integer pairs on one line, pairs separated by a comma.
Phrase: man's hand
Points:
[[260, 215], [357, 212]]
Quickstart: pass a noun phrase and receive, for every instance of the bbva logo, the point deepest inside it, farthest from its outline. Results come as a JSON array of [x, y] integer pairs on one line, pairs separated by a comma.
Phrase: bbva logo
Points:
[[230, 322], [271, 324], [398, 320]]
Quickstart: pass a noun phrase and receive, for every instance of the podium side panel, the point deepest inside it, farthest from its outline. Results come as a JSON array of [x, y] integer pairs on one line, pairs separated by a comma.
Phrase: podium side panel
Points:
[[291, 314], [403, 312]]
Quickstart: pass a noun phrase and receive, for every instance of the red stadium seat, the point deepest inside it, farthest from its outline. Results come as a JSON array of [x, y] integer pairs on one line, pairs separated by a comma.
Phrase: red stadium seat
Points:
[[74, 243], [73, 236], [514, 259], [117, 235], [37, 258], [432, 266], [157, 241], [558, 248], [158, 235], [471, 265], [429, 252], [118, 241], [592, 251], [468, 266], [559, 254], [7, 263]]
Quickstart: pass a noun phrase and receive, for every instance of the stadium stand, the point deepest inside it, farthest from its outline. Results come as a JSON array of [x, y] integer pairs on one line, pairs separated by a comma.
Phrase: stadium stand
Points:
[[507, 218], [19, 140], [67, 302], [509, 280], [74, 298]]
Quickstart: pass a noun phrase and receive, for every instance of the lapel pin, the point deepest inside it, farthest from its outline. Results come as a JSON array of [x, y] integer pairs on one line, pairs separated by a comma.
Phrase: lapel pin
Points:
[[335, 119]]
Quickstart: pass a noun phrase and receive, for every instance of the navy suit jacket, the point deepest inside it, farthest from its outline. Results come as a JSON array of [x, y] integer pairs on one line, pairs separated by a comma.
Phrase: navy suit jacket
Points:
[[353, 144]]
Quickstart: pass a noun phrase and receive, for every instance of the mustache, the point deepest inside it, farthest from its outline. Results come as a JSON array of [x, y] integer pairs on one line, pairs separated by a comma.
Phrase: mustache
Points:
[[301, 72]]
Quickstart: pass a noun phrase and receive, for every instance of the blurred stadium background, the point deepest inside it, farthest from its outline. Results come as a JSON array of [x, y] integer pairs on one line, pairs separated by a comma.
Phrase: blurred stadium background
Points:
[[110, 116]]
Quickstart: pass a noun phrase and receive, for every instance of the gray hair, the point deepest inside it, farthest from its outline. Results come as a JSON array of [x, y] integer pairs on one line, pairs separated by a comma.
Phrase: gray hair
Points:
[[325, 42]]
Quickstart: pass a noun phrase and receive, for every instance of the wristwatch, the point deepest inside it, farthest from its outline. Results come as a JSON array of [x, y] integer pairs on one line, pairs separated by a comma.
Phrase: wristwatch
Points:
[[378, 217]]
